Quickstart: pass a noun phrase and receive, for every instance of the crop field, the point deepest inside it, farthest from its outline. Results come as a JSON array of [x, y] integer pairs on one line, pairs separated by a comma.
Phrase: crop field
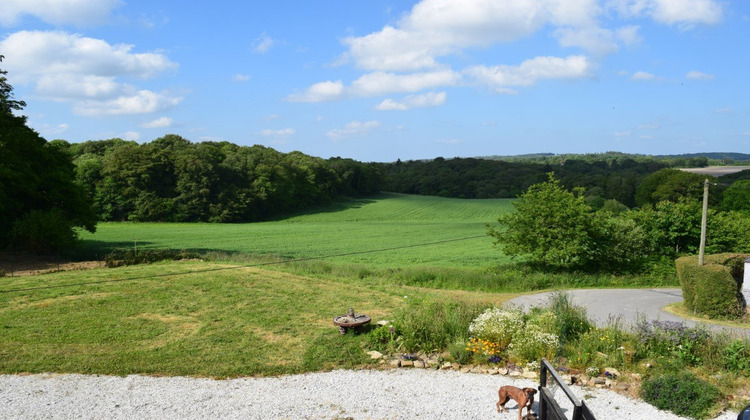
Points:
[[390, 230]]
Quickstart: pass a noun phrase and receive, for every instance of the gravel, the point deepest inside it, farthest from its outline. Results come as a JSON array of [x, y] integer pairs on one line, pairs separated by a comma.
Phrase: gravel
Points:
[[341, 394]]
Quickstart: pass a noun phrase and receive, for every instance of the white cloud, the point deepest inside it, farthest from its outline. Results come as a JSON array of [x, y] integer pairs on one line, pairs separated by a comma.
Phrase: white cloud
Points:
[[131, 135], [430, 99], [86, 72], [284, 132], [500, 78], [629, 35], [263, 43], [319, 92], [685, 13], [239, 77], [592, 38], [158, 123], [622, 133], [353, 129], [649, 126], [48, 130], [140, 102], [696, 75], [376, 83], [642, 75], [58, 12]]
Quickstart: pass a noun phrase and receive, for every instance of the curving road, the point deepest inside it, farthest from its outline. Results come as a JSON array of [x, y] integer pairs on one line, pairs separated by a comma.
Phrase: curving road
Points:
[[601, 304]]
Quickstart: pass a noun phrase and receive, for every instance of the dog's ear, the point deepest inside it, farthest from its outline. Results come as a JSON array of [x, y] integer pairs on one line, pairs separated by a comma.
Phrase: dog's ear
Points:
[[530, 390]]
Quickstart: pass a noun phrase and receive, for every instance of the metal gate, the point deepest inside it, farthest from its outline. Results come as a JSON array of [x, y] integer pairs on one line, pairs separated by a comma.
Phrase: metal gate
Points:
[[549, 409]]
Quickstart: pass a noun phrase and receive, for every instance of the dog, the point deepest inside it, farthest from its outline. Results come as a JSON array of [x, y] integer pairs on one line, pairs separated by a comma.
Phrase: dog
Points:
[[524, 397]]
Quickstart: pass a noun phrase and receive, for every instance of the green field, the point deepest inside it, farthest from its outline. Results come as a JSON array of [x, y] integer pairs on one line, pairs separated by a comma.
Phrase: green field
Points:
[[389, 230], [191, 318]]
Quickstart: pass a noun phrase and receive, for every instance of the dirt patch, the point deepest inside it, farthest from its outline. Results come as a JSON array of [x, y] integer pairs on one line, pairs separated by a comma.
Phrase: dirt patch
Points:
[[716, 170], [29, 265]]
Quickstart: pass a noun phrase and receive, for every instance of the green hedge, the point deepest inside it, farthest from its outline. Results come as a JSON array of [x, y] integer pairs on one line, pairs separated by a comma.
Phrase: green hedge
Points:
[[714, 288]]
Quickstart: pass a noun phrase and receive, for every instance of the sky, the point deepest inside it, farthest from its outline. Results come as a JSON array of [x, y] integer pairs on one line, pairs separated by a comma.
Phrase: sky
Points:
[[378, 81]]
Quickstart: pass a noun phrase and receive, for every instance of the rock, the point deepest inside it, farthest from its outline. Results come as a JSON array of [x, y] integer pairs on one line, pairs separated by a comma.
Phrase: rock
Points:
[[383, 322], [599, 381], [514, 373], [502, 371], [407, 363], [419, 364], [612, 371], [447, 365], [492, 371], [608, 383], [465, 369], [395, 363], [529, 374], [375, 354], [568, 380]]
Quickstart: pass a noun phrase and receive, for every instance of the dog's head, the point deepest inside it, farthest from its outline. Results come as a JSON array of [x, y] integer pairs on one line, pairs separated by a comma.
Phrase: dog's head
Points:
[[529, 392]]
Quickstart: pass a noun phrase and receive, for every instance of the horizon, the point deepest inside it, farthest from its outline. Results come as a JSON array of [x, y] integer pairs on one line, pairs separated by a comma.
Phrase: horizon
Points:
[[379, 82]]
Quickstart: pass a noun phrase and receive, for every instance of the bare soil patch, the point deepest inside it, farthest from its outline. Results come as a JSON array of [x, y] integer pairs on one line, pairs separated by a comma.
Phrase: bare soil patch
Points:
[[716, 170], [29, 265]]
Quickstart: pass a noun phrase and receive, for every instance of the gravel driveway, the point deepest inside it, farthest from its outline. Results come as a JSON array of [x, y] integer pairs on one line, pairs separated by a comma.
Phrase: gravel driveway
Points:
[[367, 394]]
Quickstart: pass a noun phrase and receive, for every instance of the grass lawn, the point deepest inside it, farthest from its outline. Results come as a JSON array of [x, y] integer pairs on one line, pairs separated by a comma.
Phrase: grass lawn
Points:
[[190, 318], [405, 230]]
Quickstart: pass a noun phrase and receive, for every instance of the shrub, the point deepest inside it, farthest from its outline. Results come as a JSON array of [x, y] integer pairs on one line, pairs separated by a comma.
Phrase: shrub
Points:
[[570, 321], [711, 289], [737, 356], [120, 258], [385, 339], [459, 352], [431, 326], [43, 231], [669, 338], [497, 326], [533, 345], [681, 393]]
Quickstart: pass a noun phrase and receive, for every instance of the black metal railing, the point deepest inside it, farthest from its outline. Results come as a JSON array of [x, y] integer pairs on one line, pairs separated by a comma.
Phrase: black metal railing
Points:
[[549, 409]]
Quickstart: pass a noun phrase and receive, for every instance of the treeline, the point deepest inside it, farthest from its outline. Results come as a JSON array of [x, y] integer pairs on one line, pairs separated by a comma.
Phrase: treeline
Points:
[[687, 160], [612, 179], [173, 180]]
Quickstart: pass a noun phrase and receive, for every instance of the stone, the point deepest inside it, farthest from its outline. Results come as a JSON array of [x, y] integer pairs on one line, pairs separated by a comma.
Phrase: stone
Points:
[[395, 363], [492, 371], [374, 355], [447, 365], [502, 371], [383, 322], [419, 364], [612, 371], [599, 381], [515, 373], [529, 374], [407, 363], [608, 383], [465, 369], [568, 380]]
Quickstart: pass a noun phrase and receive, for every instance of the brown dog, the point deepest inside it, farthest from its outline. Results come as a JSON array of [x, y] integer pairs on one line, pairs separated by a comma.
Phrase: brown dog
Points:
[[524, 398]]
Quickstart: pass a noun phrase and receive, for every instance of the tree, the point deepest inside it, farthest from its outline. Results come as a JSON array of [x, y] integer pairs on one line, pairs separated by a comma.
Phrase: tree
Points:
[[38, 192], [670, 185], [737, 197], [549, 224]]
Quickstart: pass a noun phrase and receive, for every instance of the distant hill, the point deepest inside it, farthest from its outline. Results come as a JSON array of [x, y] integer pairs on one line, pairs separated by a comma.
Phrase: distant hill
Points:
[[677, 160], [738, 157]]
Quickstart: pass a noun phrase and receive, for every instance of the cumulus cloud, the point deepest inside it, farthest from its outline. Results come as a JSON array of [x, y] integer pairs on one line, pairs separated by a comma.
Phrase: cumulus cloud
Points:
[[161, 122], [58, 12], [502, 78], [131, 135], [685, 13], [696, 75], [353, 129], [642, 76], [425, 100], [86, 72], [239, 77]]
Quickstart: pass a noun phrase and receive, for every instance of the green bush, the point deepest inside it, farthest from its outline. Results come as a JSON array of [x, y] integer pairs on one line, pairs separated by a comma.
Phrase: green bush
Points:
[[498, 326], [571, 321], [43, 232], [432, 326], [737, 357], [385, 339], [120, 258], [711, 289], [681, 393]]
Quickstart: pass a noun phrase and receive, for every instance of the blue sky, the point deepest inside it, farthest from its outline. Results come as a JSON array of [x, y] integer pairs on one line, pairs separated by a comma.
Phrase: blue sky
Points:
[[380, 81]]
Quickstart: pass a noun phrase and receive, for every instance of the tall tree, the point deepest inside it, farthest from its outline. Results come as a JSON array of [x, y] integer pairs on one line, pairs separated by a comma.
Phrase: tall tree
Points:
[[40, 203]]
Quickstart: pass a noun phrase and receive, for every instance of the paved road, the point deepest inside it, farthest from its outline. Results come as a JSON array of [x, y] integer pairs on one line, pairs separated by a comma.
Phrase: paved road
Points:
[[601, 304]]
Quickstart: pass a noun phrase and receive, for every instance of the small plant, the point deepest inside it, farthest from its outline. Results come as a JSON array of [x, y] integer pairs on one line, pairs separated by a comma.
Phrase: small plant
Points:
[[497, 326], [385, 339], [483, 347], [737, 356], [681, 393], [533, 344], [593, 371], [460, 353], [119, 258], [431, 326]]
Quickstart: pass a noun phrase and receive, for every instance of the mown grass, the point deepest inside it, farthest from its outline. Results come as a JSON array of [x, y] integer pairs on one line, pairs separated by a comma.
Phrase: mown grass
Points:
[[191, 318], [389, 230]]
